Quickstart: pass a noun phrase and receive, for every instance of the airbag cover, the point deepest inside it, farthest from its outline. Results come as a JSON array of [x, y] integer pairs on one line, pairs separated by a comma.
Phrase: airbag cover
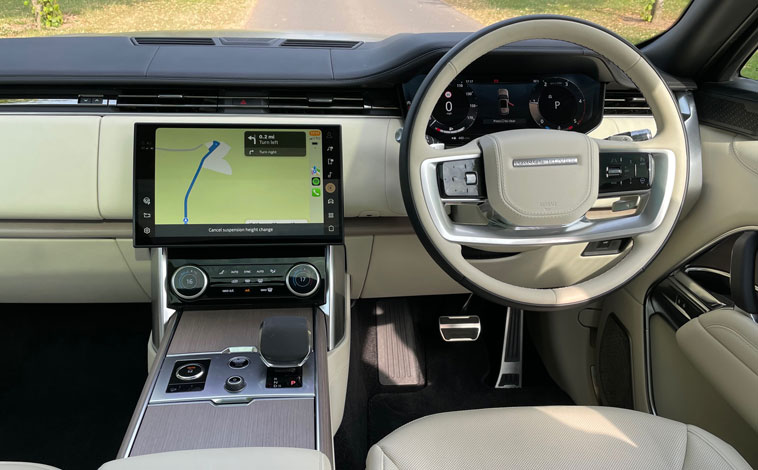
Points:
[[539, 177]]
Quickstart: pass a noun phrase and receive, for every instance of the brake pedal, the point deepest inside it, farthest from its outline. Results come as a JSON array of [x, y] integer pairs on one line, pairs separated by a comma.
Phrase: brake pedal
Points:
[[460, 328], [510, 363]]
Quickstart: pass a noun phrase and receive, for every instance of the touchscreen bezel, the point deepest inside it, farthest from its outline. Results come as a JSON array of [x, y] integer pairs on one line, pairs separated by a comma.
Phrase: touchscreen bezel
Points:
[[144, 189]]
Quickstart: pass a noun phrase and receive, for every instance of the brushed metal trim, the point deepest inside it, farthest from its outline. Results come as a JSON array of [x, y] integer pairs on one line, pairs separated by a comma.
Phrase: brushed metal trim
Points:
[[147, 390], [159, 297], [336, 292], [583, 230]]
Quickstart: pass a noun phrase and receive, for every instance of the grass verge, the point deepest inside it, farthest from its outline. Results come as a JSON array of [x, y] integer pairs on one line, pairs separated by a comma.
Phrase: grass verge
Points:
[[621, 16], [118, 16]]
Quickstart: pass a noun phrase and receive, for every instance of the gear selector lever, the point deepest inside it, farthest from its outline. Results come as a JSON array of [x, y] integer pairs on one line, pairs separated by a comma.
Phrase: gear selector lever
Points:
[[285, 341]]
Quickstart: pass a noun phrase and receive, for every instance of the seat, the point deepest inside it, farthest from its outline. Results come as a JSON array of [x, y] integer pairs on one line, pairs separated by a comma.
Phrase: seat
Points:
[[553, 437], [24, 466]]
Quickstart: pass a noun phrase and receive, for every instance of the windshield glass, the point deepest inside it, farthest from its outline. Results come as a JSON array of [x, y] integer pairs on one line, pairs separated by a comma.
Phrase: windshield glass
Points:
[[636, 20]]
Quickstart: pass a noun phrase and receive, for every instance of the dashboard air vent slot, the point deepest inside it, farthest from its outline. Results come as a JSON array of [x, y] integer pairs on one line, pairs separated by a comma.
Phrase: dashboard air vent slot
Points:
[[247, 41], [166, 103], [169, 41], [324, 43], [625, 102], [375, 102]]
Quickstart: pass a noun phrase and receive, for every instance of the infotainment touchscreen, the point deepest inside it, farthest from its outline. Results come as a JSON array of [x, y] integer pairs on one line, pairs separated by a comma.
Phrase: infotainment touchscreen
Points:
[[229, 184]]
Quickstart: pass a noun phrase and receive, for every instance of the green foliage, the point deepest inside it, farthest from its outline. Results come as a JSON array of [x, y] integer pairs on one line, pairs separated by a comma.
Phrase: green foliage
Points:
[[647, 12], [47, 12], [750, 70]]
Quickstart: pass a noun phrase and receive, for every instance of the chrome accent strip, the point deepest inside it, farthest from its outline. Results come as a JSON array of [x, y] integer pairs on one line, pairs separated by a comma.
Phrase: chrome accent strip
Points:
[[688, 110], [159, 303], [583, 230], [545, 161], [147, 392], [334, 307]]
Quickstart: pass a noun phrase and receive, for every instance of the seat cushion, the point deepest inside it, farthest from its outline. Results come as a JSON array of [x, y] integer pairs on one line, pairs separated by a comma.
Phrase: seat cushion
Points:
[[237, 458], [554, 437]]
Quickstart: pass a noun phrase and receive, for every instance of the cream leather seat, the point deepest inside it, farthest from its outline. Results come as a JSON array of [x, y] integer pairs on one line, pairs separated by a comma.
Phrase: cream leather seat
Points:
[[560, 437]]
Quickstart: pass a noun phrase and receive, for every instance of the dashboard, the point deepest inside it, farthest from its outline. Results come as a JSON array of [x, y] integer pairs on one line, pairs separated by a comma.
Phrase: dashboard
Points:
[[472, 106]]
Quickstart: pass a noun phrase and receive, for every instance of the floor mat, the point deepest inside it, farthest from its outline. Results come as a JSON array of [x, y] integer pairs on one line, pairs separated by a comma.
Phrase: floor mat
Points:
[[459, 376], [73, 374]]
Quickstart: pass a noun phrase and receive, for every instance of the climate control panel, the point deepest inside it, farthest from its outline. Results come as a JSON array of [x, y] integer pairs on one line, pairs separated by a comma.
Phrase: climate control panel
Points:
[[246, 280]]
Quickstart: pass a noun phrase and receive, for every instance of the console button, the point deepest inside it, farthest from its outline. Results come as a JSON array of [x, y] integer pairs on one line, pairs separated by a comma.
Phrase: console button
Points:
[[189, 282], [191, 371], [303, 280], [234, 383], [239, 362]]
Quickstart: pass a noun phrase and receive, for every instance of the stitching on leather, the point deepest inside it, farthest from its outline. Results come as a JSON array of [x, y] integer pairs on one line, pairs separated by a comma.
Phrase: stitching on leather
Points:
[[691, 430], [738, 335]]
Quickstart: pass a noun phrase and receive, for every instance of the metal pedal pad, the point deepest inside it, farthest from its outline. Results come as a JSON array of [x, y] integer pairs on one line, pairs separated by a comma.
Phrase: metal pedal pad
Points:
[[460, 328], [510, 363]]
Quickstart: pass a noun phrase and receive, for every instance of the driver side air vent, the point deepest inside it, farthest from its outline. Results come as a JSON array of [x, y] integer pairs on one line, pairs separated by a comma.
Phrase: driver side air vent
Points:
[[625, 102], [168, 41], [327, 44]]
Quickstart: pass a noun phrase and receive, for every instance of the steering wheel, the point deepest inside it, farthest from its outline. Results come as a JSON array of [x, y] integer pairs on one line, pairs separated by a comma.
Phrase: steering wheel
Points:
[[540, 183]]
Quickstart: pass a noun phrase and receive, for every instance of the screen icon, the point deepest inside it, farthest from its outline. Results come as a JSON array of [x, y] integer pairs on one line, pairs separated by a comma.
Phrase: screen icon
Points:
[[315, 171], [315, 181], [330, 187], [146, 201], [315, 192]]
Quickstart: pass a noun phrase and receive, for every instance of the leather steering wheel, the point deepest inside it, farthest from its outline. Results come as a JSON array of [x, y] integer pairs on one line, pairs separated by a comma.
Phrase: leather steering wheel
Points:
[[540, 184]]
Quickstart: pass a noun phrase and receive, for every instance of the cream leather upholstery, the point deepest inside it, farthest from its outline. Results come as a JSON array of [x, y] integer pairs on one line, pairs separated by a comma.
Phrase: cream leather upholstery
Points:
[[559, 437], [723, 346], [240, 458], [24, 466]]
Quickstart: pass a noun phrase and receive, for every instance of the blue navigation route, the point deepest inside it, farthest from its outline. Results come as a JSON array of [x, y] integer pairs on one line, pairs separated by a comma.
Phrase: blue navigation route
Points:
[[213, 147]]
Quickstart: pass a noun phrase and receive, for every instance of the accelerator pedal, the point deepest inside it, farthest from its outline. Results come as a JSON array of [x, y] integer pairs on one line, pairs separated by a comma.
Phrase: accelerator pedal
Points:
[[510, 364]]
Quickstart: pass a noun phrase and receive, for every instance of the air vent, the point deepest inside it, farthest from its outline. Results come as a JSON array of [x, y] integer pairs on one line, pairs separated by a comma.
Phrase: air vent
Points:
[[179, 41], [625, 102], [374, 102], [247, 41], [327, 44], [166, 103]]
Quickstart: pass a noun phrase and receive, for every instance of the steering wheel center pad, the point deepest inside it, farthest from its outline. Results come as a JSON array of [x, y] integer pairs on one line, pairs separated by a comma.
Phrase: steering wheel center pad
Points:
[[538, 177]]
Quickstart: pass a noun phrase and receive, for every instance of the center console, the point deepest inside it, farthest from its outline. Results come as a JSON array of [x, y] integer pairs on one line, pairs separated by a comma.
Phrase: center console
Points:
[[245, 229]]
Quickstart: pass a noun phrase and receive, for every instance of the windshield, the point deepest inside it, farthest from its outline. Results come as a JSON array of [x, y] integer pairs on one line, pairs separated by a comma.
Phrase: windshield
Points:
[[636, 20]]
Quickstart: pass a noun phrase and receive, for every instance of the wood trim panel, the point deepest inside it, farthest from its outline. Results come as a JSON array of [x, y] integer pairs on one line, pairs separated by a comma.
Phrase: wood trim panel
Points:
[[215, 330], [276, 422]]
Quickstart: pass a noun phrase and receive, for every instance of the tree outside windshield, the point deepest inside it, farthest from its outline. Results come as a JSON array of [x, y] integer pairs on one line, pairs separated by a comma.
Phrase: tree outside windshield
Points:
[[636, 20]]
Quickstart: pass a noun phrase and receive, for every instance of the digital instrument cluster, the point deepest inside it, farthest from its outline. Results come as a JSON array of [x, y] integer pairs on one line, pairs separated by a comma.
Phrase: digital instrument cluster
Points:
[[474, 106]]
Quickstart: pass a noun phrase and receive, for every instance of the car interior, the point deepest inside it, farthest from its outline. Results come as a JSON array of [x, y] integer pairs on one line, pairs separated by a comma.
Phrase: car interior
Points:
[[531, 246]]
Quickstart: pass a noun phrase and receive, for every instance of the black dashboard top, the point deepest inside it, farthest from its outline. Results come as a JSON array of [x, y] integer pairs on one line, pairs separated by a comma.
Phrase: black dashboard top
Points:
[[121, 60]]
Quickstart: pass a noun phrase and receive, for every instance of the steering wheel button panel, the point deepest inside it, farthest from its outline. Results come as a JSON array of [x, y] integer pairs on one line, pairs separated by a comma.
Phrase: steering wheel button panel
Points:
[[461, 179]]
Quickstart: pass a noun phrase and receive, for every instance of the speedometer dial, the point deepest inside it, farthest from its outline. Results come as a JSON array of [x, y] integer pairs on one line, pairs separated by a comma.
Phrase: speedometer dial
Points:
[[557, 103], [456, 109]]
